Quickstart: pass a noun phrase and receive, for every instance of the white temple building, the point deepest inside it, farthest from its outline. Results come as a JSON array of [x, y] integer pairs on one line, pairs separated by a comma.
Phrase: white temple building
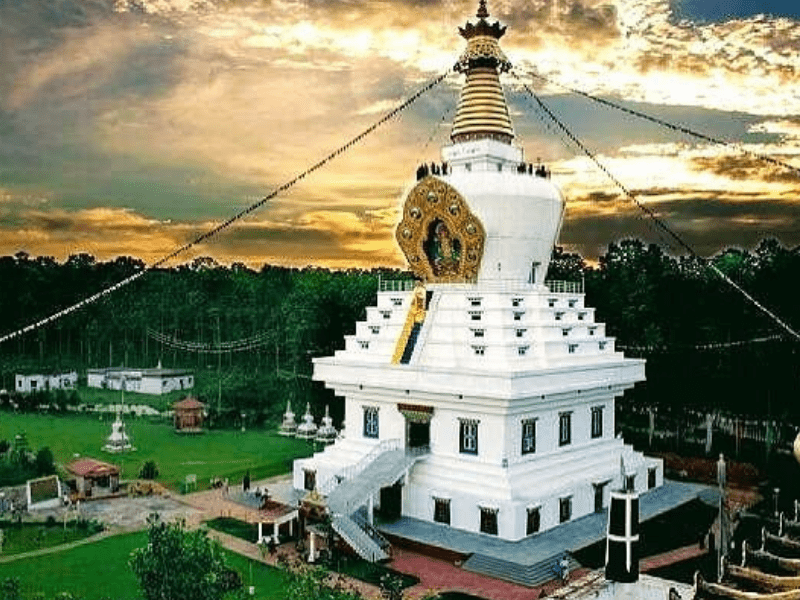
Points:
[[481, 398]]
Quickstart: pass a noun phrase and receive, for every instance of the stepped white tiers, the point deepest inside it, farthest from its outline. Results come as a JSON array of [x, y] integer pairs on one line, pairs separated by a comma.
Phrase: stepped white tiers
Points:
[[499, 386]]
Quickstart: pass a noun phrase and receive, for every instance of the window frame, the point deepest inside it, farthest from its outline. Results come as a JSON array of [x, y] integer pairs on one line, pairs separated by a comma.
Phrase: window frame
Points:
[[565, 509], [564, 428], [468, 436], [489, 523], [371, 422], [441, 510], [528, 437], [597, 422]]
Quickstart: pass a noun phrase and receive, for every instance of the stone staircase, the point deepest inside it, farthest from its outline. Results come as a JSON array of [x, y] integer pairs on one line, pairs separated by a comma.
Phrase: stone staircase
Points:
[[528, 575], [346, 498], [365, 545]]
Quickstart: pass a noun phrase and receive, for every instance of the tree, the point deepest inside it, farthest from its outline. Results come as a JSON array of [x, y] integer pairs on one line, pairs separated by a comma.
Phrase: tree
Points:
[[181, 565], [44, 463]]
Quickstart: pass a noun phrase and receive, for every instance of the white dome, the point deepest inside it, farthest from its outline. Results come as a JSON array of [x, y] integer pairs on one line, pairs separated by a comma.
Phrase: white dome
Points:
[[520, 212]]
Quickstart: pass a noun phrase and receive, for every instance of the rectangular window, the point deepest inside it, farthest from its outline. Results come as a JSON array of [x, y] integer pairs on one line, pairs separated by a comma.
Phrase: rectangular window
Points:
[[565, 332], [441, 510], [475, 301], [468, 436], [597, 421], [571, 303], [529, 436], [478, 333], [581, 316], [397, 301], [375, 329], [515, 302], [559, 316], [602, 345], [518, 316], [534, 521], [364, 344], [479, 350], [522, 350], [386, 314], [551, 302], [371, 429], [564, 428], [309, 479], [521, 332], [630, 483], [592, 330], [572, 348], [564, 509], [489, 520], [651, 478], [475, 315]]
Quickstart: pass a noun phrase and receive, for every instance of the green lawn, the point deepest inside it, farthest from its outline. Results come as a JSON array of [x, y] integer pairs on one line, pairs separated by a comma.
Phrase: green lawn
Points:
[[24, 537], [228, 453], [100, 570], [245, 531]]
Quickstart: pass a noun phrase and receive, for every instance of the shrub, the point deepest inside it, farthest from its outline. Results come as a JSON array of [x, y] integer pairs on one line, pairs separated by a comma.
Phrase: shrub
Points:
[[149, 470]]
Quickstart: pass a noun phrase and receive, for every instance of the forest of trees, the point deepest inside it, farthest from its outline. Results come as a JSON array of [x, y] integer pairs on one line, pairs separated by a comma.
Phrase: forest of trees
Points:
[[663, 308]]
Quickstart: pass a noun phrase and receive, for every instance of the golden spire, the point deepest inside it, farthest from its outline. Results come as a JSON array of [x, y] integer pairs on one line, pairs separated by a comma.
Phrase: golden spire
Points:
[[482, 111]]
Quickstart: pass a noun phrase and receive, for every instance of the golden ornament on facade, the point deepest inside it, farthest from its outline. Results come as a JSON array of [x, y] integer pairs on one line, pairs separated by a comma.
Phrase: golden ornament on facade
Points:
[[442, 241]]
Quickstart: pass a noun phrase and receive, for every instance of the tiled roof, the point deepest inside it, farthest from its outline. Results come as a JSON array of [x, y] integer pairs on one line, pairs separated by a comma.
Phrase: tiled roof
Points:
[[89, 467], [189, 402]]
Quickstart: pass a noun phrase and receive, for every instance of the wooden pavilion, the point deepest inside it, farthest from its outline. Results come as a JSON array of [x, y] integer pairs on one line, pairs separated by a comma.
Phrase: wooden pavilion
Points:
[[188, 415]]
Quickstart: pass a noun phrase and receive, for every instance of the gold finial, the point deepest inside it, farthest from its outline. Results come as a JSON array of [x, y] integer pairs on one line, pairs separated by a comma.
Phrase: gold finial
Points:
[[483, 12]]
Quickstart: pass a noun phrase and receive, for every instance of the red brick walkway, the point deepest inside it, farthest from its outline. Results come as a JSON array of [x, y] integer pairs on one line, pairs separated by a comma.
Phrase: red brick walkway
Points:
[[438, 575], [670, 558]]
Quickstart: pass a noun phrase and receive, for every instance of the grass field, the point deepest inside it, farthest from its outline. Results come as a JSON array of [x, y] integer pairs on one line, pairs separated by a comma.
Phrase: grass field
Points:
[[212, 454], [24, 537], [100, 570]]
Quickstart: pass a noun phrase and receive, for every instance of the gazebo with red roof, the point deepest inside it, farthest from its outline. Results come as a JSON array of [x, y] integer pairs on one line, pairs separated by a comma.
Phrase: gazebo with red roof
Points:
[[94, 476], [188, 415]]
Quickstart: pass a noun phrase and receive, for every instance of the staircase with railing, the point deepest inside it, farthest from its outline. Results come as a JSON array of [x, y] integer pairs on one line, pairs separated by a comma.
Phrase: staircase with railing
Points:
[[381, 468]]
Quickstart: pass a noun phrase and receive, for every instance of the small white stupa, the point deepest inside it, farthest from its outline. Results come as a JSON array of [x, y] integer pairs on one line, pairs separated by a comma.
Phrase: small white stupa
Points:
[[307, 429], [118, 441], [289, 426], [327, 432]]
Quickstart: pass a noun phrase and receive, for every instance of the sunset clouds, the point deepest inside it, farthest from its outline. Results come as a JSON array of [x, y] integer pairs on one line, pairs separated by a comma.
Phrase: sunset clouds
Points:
[[129, 126]]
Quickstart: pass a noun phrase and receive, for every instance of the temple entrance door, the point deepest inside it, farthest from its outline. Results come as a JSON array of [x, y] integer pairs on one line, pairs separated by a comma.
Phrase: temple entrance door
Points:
[[392, 501], [418, 435]]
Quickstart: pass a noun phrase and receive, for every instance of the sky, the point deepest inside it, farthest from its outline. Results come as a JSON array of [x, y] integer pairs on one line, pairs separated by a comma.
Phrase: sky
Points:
[[128, 127]]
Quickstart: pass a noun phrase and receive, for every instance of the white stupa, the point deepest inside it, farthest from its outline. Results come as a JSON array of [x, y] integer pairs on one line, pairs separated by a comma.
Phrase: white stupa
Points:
[[118, 441], [288, 426], [482, 398], [327, 432], [307, 429]]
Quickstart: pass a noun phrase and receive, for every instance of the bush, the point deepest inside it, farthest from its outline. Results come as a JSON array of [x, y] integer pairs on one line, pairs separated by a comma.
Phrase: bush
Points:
[[149, 470]]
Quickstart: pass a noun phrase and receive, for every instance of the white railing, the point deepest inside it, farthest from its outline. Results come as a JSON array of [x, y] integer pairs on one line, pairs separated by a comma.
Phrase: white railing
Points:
[[396, 285], [565, 287], [327, 486]]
